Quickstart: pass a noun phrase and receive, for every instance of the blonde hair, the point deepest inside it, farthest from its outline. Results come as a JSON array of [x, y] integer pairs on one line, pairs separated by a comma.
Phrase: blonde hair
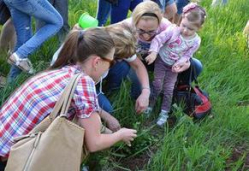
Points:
[[124, 40], [146, 7]]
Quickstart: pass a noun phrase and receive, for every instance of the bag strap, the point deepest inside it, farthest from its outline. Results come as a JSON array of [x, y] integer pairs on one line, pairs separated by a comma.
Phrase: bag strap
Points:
[[192, 72], [68, 99], [65, 98]]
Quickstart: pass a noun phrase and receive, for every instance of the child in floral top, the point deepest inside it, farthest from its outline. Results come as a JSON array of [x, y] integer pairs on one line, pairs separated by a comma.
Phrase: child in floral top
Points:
[[173, 48]]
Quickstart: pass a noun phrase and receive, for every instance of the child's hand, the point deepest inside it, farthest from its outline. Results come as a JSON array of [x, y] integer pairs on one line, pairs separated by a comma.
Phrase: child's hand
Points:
[[151, 58], [176, 68], [180, 66]]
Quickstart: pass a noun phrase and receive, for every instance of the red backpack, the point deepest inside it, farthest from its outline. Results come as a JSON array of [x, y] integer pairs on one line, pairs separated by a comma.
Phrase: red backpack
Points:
[[195, 102]]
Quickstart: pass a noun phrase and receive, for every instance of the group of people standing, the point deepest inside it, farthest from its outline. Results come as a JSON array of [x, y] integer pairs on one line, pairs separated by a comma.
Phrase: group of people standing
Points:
[[127, 48]]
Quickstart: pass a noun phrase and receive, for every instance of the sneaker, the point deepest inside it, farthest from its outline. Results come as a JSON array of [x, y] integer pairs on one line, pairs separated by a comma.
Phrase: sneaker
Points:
[[23, 63], [148, 112], [162, 119]]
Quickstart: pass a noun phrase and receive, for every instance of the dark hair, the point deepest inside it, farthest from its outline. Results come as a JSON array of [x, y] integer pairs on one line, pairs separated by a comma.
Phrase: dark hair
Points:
[[80, 44]]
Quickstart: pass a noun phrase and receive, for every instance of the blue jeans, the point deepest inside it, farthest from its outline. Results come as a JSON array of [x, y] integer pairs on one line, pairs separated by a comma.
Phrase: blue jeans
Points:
[[119, 12], [163, 3], [180, 4], [21, 13], [136, 86], [104, 103], [62, 7], [104, 10], [117, 74], [114, 80], [191, 73]]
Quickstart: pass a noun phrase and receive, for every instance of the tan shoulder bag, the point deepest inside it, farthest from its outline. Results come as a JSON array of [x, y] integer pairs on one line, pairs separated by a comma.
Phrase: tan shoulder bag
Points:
[[55, 144]]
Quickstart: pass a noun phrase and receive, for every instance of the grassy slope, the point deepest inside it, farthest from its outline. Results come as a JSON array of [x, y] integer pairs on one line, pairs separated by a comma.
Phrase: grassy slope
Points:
[[187, 146], [208, 145]]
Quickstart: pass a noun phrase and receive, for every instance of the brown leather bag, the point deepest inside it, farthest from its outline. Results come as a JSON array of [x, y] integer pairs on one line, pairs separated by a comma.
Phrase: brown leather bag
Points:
[[55, 144]]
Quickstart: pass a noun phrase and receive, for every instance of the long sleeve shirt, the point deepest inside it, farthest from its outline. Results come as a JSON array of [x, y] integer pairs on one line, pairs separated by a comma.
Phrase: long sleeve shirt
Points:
[[142, 45], [171, 46]]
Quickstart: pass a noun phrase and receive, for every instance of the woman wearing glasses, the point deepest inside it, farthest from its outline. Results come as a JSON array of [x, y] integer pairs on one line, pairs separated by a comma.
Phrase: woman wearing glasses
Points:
[[34, 100], [147, 21]]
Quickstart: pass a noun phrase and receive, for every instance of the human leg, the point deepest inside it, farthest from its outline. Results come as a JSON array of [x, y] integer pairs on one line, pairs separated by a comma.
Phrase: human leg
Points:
[[119, 11], [62, 8], [157, 83], [168, 86], [246, 29], [21, 11], [41, 10], [161, 3], [104, 103], [117, 74], [179, 4], [22, 24], [8, 36], [103, 12], [218, 2], [198, 67], [2, 165], [136, 88], [194, 71], [170, 10], [134, 3]]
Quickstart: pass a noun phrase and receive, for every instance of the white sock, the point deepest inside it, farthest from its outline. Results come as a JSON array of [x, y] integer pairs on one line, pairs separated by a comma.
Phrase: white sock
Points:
[[164, 111]]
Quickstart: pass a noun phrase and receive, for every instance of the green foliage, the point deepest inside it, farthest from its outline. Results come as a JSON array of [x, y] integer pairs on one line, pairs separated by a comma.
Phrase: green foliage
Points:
[[188, 145]]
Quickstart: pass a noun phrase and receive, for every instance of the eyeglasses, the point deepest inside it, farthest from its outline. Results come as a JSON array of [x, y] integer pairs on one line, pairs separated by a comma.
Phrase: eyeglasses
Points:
[[151, 32], [111, 62]]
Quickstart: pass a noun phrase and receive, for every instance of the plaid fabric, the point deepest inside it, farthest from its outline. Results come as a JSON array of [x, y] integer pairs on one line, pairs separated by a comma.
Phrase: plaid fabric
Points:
[[35, 100]]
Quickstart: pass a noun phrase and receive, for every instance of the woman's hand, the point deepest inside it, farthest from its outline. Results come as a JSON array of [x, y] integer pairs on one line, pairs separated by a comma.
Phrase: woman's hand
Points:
[[142, 101], [127, 135], [180, 66], [151, 58]]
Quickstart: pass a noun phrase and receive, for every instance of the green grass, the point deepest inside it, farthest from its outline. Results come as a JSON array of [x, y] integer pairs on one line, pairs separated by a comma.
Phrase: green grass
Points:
[[205, 145]]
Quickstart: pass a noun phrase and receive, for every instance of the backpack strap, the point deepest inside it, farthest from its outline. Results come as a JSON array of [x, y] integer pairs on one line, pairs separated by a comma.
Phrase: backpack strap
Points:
[[192, 73]]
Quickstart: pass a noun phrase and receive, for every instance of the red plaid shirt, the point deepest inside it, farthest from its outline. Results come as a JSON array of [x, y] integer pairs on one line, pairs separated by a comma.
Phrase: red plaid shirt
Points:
[[35, 100]]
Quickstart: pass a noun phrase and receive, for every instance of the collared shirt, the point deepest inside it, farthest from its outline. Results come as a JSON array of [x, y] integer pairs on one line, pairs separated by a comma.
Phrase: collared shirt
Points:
[[35, 100]]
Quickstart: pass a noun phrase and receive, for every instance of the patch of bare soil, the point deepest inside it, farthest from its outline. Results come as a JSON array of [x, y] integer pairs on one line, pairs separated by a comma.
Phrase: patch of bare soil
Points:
[[238, 152], [138, 162]]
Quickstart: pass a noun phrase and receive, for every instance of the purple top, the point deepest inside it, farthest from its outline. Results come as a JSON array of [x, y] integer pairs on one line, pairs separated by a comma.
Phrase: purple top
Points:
[[171, 46]]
